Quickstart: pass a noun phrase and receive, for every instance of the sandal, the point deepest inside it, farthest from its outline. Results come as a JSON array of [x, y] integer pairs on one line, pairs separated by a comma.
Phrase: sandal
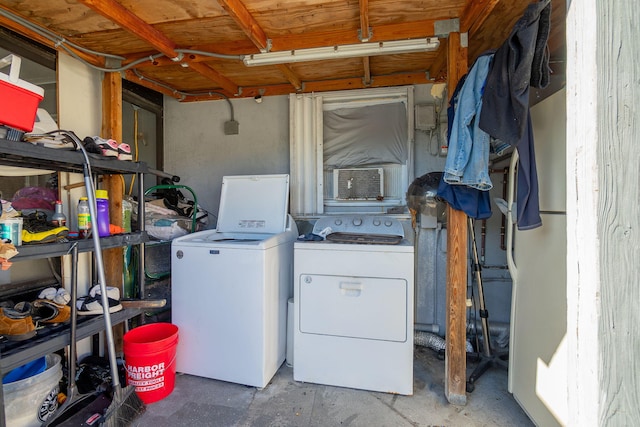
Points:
[[92, 303]]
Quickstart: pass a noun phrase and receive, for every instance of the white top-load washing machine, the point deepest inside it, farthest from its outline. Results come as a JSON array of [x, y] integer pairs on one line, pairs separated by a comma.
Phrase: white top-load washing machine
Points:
[[353, 305], [230, 285]]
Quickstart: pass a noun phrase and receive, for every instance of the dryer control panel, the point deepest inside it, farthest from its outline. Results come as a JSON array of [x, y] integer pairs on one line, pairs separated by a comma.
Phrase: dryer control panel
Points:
[[360, 224]]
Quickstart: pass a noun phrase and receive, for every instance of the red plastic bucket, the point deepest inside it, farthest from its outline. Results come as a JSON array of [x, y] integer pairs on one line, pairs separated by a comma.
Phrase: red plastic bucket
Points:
[[150, 360]]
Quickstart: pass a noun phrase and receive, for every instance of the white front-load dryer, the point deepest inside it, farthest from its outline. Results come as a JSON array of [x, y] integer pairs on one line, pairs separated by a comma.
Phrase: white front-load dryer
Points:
[[353, 314]]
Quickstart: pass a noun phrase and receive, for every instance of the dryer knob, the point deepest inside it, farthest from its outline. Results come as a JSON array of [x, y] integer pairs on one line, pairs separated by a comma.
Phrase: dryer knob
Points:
[[357, 222], [388, 223], [376, 222], [338, 222]]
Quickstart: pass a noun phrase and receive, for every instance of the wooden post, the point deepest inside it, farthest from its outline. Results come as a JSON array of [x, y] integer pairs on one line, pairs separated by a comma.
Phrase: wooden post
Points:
[[456, 294], [114, 184]]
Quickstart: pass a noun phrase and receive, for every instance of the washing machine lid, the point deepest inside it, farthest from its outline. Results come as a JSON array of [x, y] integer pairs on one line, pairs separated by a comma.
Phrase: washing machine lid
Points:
[[254, 204]]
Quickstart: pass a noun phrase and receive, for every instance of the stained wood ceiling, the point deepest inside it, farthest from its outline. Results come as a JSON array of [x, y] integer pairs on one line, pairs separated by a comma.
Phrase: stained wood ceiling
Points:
[[170, 38]]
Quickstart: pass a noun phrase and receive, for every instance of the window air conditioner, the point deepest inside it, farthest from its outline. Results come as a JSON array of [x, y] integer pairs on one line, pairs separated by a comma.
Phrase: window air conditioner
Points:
[[358, 184]]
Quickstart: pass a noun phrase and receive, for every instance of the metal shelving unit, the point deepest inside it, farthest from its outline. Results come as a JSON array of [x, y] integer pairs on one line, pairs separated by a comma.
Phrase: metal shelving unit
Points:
[[24, 154]]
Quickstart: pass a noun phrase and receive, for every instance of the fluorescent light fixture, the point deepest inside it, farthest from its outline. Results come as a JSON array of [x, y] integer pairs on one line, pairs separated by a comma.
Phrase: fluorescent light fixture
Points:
[[342, 51]]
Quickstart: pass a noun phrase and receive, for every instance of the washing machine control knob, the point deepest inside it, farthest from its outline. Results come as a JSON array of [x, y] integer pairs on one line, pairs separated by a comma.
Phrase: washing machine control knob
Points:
[[376, 222], [338, 222], [388, 223], [357, 221]]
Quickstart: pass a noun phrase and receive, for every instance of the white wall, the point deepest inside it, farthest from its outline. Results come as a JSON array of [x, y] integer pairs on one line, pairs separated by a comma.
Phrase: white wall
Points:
[[197, 150], [79, 97]]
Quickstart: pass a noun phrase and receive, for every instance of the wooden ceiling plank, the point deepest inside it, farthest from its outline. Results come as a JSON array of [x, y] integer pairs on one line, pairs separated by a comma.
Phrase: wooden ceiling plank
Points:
[[364, 21], [130, 22], [7, 23], [245, 20], [475, 14], [119, 14], [291, 76], [212, 74]]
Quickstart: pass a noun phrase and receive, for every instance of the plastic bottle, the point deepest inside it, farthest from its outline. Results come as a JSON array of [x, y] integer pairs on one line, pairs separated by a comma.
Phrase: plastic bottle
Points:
[[102, 203], [59, 219], [84, 218]]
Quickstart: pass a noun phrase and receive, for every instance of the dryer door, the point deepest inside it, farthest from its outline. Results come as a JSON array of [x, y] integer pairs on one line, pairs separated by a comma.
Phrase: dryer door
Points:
[[354, 307]]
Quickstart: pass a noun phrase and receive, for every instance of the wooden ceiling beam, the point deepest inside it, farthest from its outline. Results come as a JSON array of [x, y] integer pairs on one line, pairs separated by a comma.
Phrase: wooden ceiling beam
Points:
[[213, 75], [122, 16], [364, 21], [366, 65], [150, 84], [475, 14], [245, 20], [400, 79], [248, 92], [438, 66], [293, 78]]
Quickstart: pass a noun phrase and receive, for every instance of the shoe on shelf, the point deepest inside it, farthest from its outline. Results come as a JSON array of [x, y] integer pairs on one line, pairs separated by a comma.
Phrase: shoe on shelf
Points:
[[124, 152], [56, 234], [92, 303], [36, 229], [58, 141], [48, 312], [109, 147], [58, 295], [16, 323]]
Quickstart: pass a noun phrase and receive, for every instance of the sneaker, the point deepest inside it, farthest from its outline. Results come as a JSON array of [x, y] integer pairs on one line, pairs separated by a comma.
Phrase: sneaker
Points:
[[36, 229], [16, 323], [58, 295], [49, 312], [92, 303], [57, 234], [124, 152], [109, 147]]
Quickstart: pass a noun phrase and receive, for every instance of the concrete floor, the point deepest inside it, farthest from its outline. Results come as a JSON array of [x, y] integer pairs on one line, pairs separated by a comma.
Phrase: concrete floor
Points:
[[198, 401]]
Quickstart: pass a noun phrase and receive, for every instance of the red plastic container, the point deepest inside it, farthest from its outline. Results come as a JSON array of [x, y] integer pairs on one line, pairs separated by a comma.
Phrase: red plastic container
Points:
[[19, 100], [150, 360]]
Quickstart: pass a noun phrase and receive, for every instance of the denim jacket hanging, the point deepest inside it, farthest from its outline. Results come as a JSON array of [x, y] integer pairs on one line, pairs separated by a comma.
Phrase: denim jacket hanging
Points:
[[468, 158]]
